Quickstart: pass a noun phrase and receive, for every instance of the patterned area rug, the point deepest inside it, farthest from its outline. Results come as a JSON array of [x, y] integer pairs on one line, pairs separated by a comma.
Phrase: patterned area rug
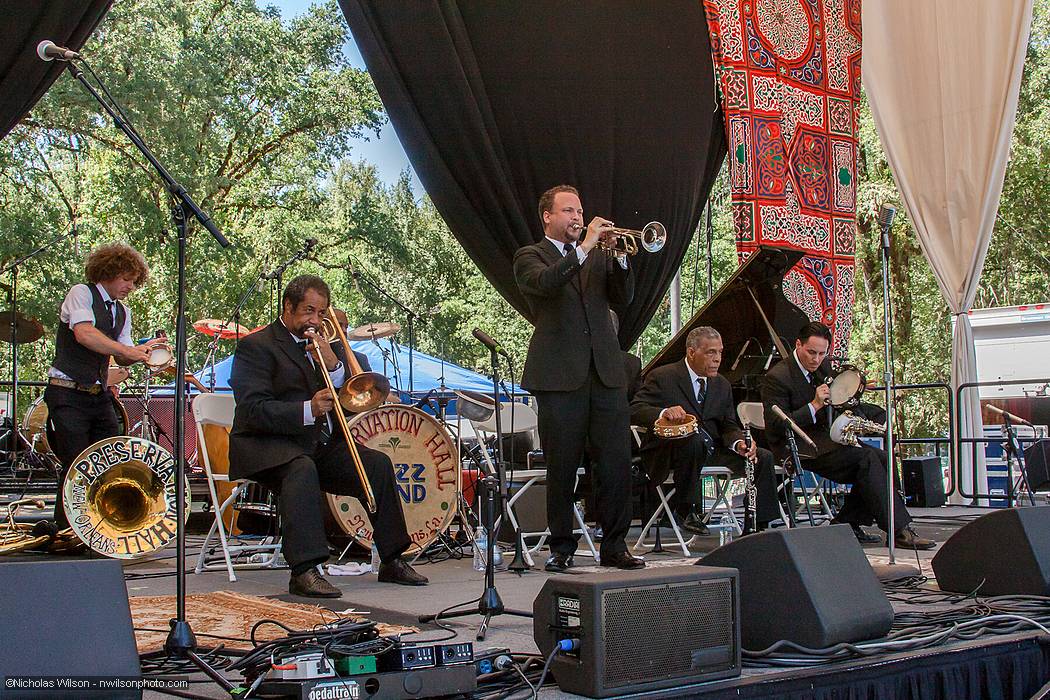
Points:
[[789, 72], [229, 614]]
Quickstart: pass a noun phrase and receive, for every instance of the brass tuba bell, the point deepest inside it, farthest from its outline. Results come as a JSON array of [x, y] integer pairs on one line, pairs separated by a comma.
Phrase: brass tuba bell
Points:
[[120, 497]]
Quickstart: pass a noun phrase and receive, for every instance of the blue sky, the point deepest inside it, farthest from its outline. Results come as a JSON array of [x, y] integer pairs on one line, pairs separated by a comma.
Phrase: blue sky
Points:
[[385, 152]]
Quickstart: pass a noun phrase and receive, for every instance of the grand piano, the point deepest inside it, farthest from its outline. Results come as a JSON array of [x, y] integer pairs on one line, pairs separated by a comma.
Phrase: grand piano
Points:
[[757, 322]]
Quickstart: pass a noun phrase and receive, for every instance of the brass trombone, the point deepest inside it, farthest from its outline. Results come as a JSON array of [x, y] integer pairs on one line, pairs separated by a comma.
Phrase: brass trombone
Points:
[[651, 239], [351, 445]]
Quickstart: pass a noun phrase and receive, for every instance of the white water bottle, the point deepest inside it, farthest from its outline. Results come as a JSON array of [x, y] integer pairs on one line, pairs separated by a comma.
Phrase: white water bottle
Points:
[[481, 538], [725, 530], [375, 558]]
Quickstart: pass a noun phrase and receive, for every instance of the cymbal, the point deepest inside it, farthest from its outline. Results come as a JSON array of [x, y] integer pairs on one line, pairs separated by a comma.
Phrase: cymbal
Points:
[[215, 327], [380, 329], [26, 329]]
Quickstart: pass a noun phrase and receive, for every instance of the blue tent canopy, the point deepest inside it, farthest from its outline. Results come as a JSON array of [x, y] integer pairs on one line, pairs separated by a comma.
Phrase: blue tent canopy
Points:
[[427, 371]]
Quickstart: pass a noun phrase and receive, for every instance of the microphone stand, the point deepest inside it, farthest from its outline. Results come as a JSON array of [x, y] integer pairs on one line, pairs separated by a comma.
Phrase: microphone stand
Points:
[[409, 314], [13, 311], [490, 604], [888, 382], [181, 642], [797, 463], [1012, 447], [235, 318]]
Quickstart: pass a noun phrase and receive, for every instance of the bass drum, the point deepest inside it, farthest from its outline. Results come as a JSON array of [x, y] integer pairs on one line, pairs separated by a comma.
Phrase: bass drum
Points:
[[34, 425], [426, 471]]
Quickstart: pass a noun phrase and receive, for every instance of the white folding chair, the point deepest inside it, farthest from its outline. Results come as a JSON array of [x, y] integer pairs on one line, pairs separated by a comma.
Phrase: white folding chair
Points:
[[662, 509], [217, 409], [525, 421]]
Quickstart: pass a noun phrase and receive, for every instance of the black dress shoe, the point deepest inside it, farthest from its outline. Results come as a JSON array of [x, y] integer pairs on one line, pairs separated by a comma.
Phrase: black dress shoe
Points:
[[858, 532], [623, 560], [694, 524], [401, 572], [909, 539], [312, 585], [558, 563]]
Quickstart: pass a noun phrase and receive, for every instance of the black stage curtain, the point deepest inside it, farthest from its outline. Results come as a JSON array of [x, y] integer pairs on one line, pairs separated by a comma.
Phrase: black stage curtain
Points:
[[24, 78], [497, 100]]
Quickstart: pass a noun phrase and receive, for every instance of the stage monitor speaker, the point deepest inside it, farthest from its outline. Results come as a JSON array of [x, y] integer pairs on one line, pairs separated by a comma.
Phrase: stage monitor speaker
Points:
[[923, 482], [1006, 552], [1037, 464], [812, 586], [640, 630], [66, 619]]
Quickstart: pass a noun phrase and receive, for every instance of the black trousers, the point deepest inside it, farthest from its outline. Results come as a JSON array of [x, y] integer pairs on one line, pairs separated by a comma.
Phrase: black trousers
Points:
[[299, 485], [595, 417], [687, 478], [76, 420], [864, 468]]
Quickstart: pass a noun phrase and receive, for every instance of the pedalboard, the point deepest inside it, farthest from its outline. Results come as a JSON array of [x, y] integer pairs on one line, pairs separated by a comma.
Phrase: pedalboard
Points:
[[439, 681]]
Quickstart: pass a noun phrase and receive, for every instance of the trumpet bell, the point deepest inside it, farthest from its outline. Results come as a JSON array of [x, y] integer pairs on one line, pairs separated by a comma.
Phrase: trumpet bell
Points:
[[364, 392], [654, 237]]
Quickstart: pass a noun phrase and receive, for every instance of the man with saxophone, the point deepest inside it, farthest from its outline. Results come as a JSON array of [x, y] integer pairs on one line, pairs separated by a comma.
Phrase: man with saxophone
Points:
[[693, 387], [575, 369], [94, 324], [797, 386], [284, 437]]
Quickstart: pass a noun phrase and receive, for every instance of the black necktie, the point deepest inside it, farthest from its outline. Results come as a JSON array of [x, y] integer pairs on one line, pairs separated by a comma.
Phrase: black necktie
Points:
[[701, 391], [324, 421], [567, 248], [109, 309]]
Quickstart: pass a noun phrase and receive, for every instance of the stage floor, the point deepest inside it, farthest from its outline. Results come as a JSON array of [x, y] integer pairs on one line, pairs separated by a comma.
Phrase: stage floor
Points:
[[455, 581]]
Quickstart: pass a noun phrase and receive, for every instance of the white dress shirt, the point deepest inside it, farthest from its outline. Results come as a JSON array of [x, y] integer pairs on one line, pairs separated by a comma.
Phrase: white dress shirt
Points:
[[76, 308], [807, 374]]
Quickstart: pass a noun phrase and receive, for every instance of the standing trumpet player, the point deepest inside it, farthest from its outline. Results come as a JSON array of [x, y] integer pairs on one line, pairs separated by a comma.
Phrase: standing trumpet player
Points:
[[575, 369], [285, 438], [94, 324]]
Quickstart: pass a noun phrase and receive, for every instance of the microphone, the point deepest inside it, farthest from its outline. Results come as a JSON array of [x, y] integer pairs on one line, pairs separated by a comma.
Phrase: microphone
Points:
[[47, 50], [486, 340], [793, 425], [886, 214], [1007, 414]]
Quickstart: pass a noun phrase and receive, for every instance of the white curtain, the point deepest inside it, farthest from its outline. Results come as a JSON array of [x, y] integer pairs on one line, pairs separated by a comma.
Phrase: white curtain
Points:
[[942, 78]]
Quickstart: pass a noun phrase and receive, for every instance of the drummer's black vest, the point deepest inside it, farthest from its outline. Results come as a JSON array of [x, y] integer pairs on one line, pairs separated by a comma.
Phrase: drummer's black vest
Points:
[[79, 363]]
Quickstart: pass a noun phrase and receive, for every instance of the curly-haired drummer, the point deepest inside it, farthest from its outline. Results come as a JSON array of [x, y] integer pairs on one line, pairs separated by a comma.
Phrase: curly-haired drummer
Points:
[[94, 325]]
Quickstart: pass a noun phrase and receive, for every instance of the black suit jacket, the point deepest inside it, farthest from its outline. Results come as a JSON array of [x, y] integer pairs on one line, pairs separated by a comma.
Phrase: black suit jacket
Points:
[[271, 378], [785, 385], [632, 366], [670, 385], [570, 311]]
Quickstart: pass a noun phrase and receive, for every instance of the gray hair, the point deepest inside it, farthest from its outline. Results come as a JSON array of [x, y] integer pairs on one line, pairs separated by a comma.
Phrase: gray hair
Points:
[[701, 333]]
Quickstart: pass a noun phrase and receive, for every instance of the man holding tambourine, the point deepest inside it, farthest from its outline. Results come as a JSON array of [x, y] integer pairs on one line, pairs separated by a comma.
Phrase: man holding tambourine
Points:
[[94, 324]]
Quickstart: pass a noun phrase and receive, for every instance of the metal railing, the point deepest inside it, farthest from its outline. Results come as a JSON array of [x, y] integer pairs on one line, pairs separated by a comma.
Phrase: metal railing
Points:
[[975, 441]]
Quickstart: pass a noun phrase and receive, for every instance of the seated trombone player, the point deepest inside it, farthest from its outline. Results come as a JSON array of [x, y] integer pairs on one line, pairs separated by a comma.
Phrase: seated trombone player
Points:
[[285, 437]]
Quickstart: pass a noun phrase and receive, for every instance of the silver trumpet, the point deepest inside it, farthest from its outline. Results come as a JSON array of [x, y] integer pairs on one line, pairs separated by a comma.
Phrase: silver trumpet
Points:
[[627, 241]]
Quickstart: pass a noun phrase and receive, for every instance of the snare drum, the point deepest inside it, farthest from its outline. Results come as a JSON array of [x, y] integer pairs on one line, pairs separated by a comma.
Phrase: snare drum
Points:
[[161, 358], [847, 386], [34, 424], [426, 471]]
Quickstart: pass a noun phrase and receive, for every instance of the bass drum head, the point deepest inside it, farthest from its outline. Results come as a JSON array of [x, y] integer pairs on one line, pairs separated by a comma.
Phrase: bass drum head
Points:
[[34, 425], [426, 472]]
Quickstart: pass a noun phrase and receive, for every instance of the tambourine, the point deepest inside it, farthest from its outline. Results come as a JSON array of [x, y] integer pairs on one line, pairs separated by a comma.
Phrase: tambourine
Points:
[[160, 359], [673, 429], [847, 386]]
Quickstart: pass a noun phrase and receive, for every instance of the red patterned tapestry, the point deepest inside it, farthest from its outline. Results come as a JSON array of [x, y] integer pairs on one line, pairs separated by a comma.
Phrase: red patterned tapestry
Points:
[[789, 71]]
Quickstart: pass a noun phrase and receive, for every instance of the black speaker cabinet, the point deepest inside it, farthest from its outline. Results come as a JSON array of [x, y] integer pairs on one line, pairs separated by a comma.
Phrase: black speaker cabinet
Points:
[[66, 619], [640, 630], [1006, 552], [1037, 464], [812, 586], [923, 482]]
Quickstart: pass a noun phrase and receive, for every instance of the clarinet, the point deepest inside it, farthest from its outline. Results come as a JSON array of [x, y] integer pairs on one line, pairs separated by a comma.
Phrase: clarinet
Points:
[[749, 485]]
